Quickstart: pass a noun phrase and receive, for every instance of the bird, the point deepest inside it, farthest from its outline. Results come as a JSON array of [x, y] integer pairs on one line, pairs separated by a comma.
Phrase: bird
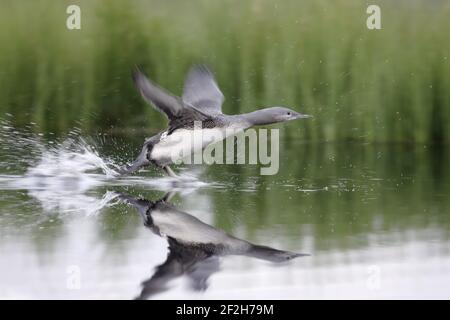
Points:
[[194, 246], [201, 102]]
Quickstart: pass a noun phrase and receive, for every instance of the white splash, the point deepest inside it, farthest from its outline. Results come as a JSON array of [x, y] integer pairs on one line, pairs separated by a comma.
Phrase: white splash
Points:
[[73, 158], [63, 174]]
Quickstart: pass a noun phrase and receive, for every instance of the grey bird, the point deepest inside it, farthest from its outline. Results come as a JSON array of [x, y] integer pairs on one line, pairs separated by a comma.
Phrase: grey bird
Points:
[[194, 246], [201, 103]]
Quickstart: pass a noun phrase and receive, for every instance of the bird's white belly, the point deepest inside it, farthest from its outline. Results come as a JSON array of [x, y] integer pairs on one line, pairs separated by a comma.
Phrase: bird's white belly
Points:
[[184, 142]]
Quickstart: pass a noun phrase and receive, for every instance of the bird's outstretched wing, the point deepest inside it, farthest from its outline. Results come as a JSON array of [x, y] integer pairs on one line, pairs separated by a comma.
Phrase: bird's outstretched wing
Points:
[[162, 100], [201, 91]]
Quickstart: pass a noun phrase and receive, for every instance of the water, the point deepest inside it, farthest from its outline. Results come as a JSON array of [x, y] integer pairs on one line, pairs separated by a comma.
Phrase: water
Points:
[[375, 219]]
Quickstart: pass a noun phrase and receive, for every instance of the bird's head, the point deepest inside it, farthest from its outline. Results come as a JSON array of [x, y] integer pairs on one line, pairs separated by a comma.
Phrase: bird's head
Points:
[[274, 115], [282, 114]]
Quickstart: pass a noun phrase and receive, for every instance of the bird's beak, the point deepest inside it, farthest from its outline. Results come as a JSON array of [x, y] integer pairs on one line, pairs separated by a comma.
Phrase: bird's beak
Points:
[[302, 116]]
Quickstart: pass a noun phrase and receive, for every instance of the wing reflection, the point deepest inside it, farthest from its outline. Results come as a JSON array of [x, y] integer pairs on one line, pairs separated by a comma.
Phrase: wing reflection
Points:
[[194, 246]]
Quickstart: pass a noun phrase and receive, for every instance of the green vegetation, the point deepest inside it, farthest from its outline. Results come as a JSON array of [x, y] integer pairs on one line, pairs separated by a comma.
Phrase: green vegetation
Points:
[[316, 56]]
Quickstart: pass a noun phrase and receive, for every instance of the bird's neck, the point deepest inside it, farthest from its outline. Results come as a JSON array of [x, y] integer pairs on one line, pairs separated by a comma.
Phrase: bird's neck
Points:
[[257, 118]]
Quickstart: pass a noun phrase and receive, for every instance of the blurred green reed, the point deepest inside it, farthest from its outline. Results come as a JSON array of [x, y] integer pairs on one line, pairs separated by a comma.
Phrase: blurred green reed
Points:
[[316, 56]]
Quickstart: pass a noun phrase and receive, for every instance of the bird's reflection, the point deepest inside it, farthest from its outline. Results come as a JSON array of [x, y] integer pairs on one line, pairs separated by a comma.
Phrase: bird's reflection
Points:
[[194, 246]]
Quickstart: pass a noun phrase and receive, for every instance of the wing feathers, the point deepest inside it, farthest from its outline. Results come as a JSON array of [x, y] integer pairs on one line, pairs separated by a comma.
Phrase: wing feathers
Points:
[[156, 96], [201, 90]]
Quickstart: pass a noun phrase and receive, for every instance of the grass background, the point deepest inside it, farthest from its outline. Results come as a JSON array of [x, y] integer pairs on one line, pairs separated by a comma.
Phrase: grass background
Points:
[[317, 56]]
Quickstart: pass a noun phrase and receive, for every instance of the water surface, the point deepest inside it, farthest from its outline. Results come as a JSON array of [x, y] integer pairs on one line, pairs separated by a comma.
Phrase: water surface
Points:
[[375, 219]]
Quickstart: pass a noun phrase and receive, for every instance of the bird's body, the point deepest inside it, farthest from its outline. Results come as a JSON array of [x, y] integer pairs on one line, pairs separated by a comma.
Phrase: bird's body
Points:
[[166, 220], [187, 229], [195, 120], [194, 246], [179, 143]]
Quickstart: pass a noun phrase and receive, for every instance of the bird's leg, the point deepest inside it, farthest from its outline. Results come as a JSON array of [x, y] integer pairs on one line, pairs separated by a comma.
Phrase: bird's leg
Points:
[[168, 196], [170, 172]]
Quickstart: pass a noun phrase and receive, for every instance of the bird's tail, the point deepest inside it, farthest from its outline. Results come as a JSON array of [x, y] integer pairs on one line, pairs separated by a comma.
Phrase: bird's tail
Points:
[[141, 205], [140, 161]]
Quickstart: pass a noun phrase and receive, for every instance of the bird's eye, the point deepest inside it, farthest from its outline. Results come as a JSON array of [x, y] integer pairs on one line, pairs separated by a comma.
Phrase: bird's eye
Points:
[[288, 113]]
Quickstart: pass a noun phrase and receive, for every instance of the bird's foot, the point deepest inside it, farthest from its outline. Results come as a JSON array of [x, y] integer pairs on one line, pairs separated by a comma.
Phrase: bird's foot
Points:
[[170, 172]]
